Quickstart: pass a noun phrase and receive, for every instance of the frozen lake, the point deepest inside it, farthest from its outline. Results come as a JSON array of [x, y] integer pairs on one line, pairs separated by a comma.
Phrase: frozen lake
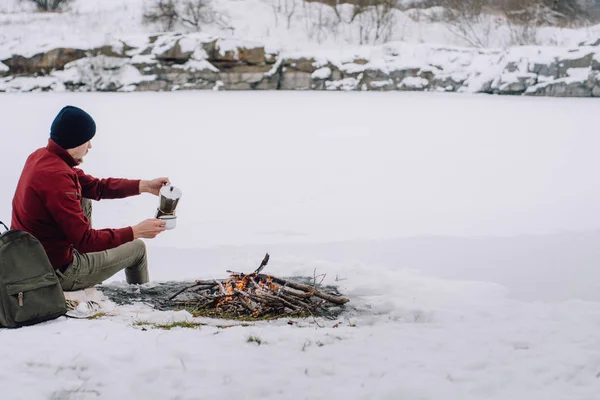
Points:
[[453, 185]]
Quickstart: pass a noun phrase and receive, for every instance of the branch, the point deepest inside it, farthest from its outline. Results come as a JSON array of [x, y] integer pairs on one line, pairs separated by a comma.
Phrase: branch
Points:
[[308, 289], [263, 264]]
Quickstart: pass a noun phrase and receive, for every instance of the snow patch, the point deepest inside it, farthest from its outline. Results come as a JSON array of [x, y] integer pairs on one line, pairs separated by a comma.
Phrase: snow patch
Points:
[[346, 84], [144, 59], [352, 68], [580, 74], [322, 73], [413, 82], [380, 84], [30, 84], [199, 65]]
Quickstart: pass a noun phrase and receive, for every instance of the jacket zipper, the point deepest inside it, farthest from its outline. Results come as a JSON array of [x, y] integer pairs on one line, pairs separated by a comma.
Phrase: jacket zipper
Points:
[[20, 296], [75, 193]]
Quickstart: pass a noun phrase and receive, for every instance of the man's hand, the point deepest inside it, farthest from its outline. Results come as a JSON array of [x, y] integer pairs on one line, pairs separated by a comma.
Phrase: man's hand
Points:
[[148, 229], [153, 186]]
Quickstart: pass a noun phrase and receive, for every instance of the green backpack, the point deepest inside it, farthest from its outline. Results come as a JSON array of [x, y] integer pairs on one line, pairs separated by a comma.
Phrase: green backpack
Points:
[[29, 289]]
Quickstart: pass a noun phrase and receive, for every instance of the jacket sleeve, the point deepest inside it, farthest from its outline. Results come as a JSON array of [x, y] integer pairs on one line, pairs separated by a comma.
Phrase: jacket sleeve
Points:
[[65, 207], [109, 188]]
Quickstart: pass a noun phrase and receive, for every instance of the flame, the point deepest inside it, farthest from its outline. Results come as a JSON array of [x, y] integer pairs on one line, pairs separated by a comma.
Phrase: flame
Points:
[[270, 285], [241, 284], [241, 281]]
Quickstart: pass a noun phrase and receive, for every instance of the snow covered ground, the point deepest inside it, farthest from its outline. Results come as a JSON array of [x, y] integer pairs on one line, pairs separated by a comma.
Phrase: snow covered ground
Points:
[[463, 229], [311, 26]]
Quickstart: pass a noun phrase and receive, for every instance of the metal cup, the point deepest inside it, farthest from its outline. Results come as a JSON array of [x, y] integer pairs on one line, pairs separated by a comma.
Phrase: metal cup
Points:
[[170, 221], [169, 197]]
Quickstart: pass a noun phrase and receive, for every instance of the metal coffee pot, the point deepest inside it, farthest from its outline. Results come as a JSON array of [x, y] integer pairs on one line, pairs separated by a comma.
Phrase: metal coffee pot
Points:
[[169, 197]]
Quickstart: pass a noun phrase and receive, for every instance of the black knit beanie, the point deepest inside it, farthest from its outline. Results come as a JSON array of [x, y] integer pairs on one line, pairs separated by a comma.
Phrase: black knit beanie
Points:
[[72, 127]]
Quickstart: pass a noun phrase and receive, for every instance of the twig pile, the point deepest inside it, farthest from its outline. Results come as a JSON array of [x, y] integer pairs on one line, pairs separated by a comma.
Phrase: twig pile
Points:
[[256, 295]]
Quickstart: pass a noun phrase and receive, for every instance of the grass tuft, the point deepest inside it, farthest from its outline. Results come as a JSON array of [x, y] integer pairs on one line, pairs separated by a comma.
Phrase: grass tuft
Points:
[[97, 315], [216, 313], [169, 326], [254, 339]]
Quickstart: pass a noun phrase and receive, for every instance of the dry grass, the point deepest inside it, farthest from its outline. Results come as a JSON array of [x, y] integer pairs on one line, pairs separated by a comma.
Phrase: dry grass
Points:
[[169, 326]]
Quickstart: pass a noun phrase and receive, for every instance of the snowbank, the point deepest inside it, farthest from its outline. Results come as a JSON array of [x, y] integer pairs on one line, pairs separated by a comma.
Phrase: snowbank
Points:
[[200, 61], [285, 46]]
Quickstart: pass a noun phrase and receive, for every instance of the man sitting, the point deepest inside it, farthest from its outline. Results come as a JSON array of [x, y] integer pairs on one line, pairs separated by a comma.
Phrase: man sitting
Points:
[[52, 202]]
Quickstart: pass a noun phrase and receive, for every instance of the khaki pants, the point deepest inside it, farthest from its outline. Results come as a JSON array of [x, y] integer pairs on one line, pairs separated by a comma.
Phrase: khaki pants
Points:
[[90, 269]]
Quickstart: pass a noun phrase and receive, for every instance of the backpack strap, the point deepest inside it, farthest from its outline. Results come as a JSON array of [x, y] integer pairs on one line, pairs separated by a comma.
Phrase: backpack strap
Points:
[[5, 227]]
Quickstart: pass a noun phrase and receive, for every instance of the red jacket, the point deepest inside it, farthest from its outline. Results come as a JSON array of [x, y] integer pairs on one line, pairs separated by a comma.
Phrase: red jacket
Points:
[[47, 204]]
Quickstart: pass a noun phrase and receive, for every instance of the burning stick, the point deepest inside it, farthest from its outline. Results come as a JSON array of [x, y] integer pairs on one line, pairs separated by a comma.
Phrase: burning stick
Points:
[[263, 264], [258, 295]]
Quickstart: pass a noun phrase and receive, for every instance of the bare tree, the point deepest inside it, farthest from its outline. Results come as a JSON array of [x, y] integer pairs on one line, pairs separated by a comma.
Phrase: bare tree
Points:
[[375, 23], [289, 9], [197, 13], [50, 5], [320, 22], [466, 19], [523, 18], [194, 14], [286, 8], [164, 13]]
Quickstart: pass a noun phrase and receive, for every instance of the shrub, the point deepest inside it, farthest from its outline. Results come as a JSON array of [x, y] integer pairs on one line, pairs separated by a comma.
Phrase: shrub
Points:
[[50, 5]]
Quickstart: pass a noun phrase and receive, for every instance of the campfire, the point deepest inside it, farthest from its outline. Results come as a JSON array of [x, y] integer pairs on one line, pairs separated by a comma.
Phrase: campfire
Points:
[[258, 296]]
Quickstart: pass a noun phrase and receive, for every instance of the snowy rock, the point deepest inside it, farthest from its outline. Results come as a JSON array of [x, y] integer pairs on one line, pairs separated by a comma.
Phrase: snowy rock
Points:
[[300, 65], [153, 86], [321, 73], [352, 69], [398, 75], [4, 69], [581, 61], [230, 51], [346, 84], [447, 83], [197, 61], [175, 54], [373, 75], [297, 74], [547, 69], [293, 80], [383, 86], [271, 58], [564, 87], [255, 55], [44, 63], [269, 82], [512, 67], [101, 73], [198, 84], [210, 48], [596, 62], [413, 83], [591, 42], [203, 65], [243, 77], [513, 83], [30, 84], [109, 51], [173, 76], [376, 79], [428, 73]]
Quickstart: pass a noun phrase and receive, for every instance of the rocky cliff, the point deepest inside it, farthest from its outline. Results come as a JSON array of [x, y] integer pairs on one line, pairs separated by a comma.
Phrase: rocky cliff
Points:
[[200, 62]]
